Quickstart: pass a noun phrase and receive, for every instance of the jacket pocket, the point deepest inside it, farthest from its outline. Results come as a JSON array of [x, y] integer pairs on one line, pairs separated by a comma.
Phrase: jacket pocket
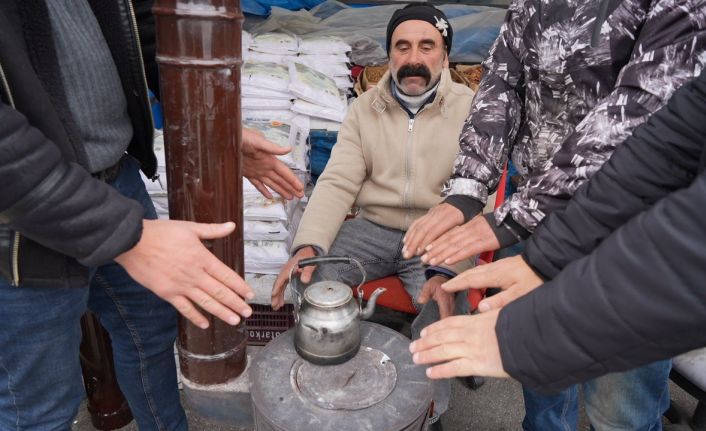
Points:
[[39, 266]]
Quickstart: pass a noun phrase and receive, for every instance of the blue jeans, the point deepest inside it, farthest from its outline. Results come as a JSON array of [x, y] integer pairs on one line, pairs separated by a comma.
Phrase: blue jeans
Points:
[[633, 400], [40, 376]]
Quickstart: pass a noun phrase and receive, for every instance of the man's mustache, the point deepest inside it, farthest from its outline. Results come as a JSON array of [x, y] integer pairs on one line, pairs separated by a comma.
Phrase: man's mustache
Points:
[[409, 70]]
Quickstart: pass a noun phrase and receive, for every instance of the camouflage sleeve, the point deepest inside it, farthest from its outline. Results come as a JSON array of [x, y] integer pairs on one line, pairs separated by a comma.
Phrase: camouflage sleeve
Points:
[[669, 52], [495, 116]]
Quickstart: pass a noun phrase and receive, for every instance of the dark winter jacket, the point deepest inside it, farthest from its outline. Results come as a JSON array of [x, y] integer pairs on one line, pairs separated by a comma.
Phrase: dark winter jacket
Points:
[[564, 84], [632, 246], [55, 219]]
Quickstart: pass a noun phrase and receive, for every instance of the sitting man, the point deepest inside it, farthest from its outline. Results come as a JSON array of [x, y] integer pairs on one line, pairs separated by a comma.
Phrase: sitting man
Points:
[[395, 150]]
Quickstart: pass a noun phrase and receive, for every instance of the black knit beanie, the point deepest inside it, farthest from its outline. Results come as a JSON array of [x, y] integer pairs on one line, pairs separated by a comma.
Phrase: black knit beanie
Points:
[[421, 12]]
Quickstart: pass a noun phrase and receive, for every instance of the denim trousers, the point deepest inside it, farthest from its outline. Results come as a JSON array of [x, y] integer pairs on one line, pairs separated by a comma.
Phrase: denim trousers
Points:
[[631, 401], [40, 375], [379, 250]]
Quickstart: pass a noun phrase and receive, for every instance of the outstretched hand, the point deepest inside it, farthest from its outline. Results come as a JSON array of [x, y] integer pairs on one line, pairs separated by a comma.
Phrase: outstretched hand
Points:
[[460, 346], [462, 242], [512, 275], [283, 277], [444, 300], [436, 222], [262, 167], [171, 261]]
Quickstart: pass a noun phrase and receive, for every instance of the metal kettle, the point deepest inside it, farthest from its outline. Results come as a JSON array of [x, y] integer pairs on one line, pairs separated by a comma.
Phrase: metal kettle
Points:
[[328, 317]]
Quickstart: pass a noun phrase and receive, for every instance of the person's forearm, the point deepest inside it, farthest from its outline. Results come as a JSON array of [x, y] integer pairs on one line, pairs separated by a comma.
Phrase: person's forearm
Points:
[[638, 298], [58, 204]]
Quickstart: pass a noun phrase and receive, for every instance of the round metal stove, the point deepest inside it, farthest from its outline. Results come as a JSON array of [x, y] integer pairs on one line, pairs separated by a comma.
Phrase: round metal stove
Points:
[[379, 389]]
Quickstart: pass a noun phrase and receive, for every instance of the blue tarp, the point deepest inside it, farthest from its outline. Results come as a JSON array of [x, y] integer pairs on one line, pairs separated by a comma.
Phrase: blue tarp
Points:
[[262, 7]]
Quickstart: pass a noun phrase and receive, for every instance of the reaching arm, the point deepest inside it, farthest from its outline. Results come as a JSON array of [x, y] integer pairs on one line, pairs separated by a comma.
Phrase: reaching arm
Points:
[[494, 120], [637, 299], [58, 204]]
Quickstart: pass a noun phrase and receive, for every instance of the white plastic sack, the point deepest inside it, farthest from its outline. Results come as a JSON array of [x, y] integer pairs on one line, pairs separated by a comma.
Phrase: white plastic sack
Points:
[[313, 86], [327, 68], [313, 110], [265, 257], [275, 43], [265, 93], [266, 75], [323, 45], [263, 209], [267, 115], [262, 57], [271, 104], [255, 230], [343, 82]]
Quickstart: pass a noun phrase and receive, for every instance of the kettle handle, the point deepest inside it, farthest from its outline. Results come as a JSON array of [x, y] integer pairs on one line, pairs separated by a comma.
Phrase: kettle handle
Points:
[[336, 259]]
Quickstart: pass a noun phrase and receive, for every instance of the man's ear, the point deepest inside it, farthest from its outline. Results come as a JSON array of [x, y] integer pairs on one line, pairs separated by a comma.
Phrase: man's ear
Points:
[[446, 58]]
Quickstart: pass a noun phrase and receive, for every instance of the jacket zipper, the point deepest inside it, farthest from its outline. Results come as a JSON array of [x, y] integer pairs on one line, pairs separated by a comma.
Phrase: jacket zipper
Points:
[[133, 23], [15, 254], [407, 168]]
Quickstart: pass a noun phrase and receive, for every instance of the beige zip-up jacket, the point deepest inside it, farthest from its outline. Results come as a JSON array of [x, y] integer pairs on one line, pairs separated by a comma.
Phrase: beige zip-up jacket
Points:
[[388, 165]]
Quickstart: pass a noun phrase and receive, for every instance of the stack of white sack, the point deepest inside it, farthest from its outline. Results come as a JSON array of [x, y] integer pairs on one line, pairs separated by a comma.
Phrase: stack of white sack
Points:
[[268, 229], [317, 94], [265, 92], [318, 77], [328, 55], [157, 187]]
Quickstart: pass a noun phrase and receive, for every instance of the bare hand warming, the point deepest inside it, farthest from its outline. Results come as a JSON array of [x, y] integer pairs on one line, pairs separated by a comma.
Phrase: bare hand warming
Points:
[[171, 261], [512, 275]]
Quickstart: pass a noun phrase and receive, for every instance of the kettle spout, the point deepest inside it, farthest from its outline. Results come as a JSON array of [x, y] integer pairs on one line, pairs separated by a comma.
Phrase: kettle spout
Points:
[[370, 307]]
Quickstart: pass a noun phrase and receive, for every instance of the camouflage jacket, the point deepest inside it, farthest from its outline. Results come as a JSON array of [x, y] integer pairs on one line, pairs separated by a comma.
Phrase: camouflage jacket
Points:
[[563, 85]]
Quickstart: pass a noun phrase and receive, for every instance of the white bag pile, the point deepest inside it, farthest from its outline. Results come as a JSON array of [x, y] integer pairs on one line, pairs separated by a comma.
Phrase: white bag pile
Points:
[[268, 229], [318, 77]]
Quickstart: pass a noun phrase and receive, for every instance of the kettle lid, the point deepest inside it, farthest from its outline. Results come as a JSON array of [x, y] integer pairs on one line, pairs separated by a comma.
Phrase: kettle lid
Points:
[[328, 294]]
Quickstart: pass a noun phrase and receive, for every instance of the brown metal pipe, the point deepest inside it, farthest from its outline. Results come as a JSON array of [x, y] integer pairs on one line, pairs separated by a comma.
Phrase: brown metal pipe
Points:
[[199, 56]]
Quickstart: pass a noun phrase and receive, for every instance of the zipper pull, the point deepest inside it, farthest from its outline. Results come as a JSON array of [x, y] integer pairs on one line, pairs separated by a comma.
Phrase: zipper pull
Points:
[[411, 125]]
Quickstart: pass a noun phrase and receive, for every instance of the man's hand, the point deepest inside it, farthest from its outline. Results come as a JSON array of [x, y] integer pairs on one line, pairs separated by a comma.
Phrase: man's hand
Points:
[[462, 242], [461, 346], [512, 275], [432, 290], [283, 277], [264, 169], [171, 261], [426, 229]]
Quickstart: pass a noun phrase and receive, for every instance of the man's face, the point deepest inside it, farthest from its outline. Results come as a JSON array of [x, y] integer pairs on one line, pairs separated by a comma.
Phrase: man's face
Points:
[[417, 56]]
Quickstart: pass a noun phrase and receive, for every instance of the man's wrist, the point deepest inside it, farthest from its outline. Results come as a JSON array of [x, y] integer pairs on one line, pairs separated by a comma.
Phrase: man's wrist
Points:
[[468, 206], [508, 232], [433, 271]]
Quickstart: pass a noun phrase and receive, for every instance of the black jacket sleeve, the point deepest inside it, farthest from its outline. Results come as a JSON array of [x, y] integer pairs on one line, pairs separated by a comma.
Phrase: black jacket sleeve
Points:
[[638, 298], [660, 157], [58, 204]]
